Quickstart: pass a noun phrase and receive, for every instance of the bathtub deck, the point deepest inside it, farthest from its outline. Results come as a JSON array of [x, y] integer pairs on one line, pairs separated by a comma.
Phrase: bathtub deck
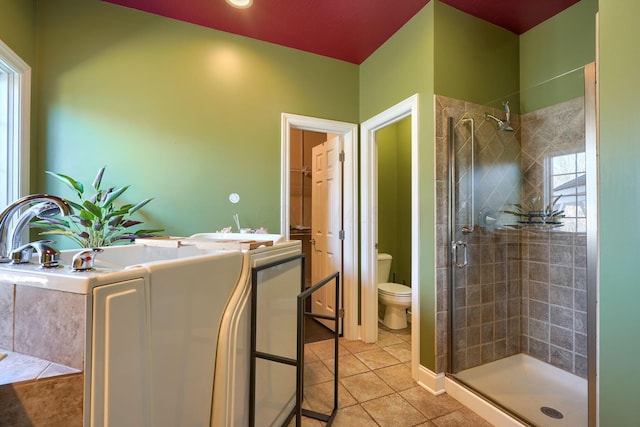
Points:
[[525, 384]]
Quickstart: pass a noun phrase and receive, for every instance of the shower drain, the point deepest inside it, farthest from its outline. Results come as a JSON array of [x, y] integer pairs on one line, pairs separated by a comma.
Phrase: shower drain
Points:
[[551, 412]]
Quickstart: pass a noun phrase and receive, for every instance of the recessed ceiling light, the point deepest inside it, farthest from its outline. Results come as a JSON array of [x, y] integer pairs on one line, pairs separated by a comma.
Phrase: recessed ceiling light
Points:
[[240, 4]]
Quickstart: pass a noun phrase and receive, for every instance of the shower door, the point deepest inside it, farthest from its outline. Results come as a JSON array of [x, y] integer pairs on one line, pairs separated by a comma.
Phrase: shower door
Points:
[[522, 255], [484, 177]]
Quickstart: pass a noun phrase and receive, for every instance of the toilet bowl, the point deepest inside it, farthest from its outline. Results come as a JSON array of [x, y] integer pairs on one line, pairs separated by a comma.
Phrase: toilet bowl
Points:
[[395, 297]]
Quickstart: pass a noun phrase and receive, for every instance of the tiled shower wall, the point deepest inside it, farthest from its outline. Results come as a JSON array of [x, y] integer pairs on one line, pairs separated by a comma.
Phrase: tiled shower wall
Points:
[[521, 291], [554, 264]]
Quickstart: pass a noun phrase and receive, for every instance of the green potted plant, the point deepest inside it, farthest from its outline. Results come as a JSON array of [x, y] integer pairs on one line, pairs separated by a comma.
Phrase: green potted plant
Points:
[[534, 213], [96, 219]]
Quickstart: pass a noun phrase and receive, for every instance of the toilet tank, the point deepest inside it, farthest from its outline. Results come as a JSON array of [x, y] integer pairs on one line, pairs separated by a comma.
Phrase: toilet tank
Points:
[[384, 267]]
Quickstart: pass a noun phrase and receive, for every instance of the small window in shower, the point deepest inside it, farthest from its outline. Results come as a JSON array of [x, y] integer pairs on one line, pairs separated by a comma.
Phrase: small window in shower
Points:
[[566, 177]]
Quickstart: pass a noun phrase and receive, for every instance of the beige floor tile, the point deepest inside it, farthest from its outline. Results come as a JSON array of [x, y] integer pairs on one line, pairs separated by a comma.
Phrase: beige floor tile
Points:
[[401, 351], [431, 406], [460, 418], [386, 338], [375, 381], [393, 411], [316, 373], [358, 346], [376, 359], [309, 355], [307, 422], [319, 397], [326, 349], [398, 377], [353, 416], [347, 365], [405, 338], [366, 386]]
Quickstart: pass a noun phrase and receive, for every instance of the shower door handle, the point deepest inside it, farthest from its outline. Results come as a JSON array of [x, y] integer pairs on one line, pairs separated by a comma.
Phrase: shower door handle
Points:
[[455, 254]]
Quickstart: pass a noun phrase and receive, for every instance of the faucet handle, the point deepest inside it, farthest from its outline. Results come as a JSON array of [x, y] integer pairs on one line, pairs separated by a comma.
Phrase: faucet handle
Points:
[[47, 254], [22, 254], [83, 261]]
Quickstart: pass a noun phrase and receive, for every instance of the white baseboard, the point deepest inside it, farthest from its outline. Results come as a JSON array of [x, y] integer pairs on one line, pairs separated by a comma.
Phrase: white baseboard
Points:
[[486, 410], [439, 384], [431, 381]]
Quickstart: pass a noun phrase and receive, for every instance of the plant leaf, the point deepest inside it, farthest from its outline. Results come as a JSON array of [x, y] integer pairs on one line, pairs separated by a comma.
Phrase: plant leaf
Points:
[[114, 195], [74, 205], [120, 212], [115, 221], [92, 208], [49, 222], [86, 214], [139, 205], [148, 232], [129, 223], [98, 179], [68, 181], [58, 232]]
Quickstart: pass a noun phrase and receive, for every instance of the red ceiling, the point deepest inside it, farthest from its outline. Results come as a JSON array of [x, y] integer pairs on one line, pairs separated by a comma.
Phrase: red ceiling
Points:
[[349, 30]]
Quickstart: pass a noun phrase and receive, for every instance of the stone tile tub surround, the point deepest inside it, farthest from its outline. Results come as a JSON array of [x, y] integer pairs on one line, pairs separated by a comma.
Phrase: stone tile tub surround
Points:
[[42, 331], [49, 402], [539, 291], [43, 323]]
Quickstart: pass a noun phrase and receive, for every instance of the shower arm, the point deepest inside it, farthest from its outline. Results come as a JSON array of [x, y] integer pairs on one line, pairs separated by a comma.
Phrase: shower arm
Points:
[[469, 229]]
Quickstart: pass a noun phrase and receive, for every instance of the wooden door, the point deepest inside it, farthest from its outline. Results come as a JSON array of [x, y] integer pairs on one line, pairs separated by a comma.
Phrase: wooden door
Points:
[[326, 224]]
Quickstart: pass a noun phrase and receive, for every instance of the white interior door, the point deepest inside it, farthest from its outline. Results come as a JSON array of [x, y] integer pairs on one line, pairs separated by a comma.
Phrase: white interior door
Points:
[[326, 224]]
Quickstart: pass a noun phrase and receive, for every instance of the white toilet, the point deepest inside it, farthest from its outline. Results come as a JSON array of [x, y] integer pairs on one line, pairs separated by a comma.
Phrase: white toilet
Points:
[[395, 297]]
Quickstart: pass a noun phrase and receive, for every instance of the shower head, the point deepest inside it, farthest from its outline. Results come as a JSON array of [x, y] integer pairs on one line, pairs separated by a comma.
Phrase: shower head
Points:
[[507, 111], [503, 125]]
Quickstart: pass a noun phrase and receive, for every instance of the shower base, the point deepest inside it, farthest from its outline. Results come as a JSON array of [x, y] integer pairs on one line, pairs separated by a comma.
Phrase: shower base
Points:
[[526, 385]]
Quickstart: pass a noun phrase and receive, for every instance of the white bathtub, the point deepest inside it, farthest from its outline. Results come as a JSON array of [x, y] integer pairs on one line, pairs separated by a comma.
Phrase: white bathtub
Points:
[[152, 322]]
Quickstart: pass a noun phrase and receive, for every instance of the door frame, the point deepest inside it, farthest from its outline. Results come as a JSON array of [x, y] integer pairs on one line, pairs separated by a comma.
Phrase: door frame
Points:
[[349, 273], [369, 224]]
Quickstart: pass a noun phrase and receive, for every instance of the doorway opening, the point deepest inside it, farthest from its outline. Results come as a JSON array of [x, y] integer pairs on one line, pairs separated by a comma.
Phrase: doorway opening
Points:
[[347, 135], [369, 222]]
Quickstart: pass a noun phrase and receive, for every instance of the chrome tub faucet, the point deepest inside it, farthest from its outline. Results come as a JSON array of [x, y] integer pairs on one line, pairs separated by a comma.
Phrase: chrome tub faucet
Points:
[[43, 204]]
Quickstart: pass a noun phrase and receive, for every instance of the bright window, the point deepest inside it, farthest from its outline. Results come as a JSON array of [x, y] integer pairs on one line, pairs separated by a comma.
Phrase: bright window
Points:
[[567, 182], [15, 83]]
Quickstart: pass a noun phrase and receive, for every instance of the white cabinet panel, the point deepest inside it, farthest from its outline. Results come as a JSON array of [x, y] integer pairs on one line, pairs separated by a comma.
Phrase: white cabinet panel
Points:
[[120, 356]]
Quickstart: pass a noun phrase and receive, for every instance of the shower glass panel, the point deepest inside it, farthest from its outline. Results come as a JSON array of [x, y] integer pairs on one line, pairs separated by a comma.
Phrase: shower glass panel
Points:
[[518, 250]]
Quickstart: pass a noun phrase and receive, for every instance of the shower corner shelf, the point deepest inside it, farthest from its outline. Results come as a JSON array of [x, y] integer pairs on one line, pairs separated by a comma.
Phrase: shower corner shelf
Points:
[[535, 225]]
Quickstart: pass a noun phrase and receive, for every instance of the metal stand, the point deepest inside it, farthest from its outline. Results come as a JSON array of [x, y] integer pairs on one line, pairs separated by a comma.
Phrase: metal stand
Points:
[[328, 418], [298, 412]]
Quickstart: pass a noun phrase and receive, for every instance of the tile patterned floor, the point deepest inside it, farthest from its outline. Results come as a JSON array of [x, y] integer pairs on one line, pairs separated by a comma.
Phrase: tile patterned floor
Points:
[[375, 386]]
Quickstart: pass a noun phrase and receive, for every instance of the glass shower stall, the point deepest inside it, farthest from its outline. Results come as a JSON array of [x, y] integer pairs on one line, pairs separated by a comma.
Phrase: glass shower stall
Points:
[[517, 217]]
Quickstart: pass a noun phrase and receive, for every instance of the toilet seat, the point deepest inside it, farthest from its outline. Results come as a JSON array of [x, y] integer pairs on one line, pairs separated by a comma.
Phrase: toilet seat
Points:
[[394, 289]]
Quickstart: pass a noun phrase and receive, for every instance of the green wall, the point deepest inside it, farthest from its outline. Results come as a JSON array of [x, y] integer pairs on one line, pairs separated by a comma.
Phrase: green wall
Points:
[[474, 60], [400, 68], [394, 197], [554, 48], [403, 261], [387, 143], [18, 31], [183, 113], [619, 207], [18, 28]]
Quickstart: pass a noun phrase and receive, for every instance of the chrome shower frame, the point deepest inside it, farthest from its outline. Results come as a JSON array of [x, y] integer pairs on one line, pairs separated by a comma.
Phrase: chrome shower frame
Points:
[[592, 243]]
